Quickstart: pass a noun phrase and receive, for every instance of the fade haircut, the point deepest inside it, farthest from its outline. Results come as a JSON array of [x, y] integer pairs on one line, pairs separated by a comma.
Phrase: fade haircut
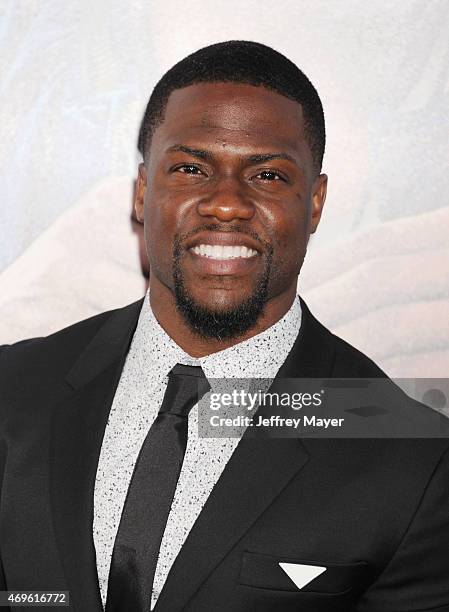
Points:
[[239, 61]]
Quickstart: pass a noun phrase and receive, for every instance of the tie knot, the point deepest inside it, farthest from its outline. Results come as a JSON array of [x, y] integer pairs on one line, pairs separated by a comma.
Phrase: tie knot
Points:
[[186, 370], [186, 386]]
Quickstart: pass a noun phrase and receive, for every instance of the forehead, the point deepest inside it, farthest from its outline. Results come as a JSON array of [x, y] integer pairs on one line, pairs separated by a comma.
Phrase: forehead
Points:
[[231, 113]]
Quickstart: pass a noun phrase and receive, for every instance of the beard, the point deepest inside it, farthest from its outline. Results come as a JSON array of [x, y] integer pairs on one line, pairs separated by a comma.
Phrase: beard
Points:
[[226, 323]]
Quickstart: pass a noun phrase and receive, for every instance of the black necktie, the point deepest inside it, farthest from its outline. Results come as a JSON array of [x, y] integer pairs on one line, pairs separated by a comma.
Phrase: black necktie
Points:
[[151, 493]]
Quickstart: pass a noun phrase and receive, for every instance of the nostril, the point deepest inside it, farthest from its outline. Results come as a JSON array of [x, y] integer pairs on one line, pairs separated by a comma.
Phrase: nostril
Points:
[[226, 208]]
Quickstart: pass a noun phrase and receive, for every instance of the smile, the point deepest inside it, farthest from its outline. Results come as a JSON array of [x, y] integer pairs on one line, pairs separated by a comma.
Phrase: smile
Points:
[[214, 251]]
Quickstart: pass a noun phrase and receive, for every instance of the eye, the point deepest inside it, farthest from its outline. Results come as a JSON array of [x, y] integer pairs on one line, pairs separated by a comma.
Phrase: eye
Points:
[[269, 175], [188, 169]]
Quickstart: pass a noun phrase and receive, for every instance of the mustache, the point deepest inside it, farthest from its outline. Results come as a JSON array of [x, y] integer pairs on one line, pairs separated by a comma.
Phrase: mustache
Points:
[[225, 229]]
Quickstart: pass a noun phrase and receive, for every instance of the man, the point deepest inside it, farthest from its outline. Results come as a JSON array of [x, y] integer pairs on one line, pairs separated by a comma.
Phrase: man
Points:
[[108, 490]]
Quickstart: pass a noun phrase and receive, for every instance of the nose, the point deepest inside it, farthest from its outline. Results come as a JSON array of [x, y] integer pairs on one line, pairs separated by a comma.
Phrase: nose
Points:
[[227, 202]]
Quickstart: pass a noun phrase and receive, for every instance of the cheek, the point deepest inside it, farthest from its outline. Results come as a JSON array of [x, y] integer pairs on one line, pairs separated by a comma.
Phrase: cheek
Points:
[[291, 235], [159, 231]]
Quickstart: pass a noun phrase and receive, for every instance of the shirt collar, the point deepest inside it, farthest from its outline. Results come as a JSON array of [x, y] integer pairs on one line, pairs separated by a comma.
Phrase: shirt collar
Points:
[[260, 356]]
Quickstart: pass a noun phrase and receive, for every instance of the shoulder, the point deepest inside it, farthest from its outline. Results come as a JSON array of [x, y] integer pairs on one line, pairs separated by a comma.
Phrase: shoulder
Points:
[[349, 361], [409, 434], [344, 360], [53, 350], [43, 362]]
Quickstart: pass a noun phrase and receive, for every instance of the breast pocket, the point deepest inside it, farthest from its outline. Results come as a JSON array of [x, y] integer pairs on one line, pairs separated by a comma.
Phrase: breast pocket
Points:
[[300, 575]]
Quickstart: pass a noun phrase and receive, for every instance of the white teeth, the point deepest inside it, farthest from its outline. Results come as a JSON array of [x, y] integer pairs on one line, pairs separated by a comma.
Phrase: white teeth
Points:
[[223, 252]]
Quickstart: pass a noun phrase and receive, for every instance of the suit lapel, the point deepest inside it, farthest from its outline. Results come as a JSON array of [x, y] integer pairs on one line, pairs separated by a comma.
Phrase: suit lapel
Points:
[[77, 432], [259, 469]]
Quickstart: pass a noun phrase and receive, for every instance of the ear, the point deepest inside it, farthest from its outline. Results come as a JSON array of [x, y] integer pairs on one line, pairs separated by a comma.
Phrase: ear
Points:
[[319, 190], [141, 187]]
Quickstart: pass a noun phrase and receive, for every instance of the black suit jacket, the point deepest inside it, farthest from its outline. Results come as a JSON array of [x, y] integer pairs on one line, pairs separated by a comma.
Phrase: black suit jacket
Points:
[[374, 512]]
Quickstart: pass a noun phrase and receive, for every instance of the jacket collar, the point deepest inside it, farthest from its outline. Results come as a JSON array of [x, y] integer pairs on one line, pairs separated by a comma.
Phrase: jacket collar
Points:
[[110, 342], [312, 353]]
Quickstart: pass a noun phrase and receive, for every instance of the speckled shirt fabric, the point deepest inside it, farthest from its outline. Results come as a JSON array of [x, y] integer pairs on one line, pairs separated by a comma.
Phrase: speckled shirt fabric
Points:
[[135, 406]]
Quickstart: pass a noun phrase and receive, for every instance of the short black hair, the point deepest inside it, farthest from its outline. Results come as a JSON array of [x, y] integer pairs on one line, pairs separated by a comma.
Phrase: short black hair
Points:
[[239, 61]]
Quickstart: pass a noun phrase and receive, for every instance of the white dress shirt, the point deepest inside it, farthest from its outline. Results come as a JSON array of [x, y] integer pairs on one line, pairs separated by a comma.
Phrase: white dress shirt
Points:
[[135, 406]]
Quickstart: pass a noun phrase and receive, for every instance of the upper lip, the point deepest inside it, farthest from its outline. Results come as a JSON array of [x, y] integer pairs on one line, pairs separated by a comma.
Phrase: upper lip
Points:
[[224, 239]]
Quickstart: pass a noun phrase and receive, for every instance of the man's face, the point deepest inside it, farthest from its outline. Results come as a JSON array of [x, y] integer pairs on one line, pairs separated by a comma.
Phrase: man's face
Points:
[[229, 197]]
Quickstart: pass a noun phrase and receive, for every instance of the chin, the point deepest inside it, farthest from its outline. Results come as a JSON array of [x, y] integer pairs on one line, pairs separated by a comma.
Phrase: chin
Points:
[[219, 313], [219, 299]]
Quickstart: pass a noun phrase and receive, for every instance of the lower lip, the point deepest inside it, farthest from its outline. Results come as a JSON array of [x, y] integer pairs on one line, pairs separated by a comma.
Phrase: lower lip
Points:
[[237, 265]]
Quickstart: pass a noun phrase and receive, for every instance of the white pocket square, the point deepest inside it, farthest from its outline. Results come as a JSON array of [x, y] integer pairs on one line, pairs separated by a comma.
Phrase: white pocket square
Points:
[[300, 574]]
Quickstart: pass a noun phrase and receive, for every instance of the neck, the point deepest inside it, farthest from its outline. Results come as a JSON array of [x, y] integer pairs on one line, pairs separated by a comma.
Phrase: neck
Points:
[[163, 305]]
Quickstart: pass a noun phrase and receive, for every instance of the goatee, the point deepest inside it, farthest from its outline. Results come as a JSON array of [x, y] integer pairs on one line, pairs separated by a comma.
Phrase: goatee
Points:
[[220, 324]]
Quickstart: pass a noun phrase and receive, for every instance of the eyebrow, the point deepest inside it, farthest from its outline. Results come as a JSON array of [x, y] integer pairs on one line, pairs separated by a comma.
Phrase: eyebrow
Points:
[[195, 152], [254, 159], [262, 157]]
